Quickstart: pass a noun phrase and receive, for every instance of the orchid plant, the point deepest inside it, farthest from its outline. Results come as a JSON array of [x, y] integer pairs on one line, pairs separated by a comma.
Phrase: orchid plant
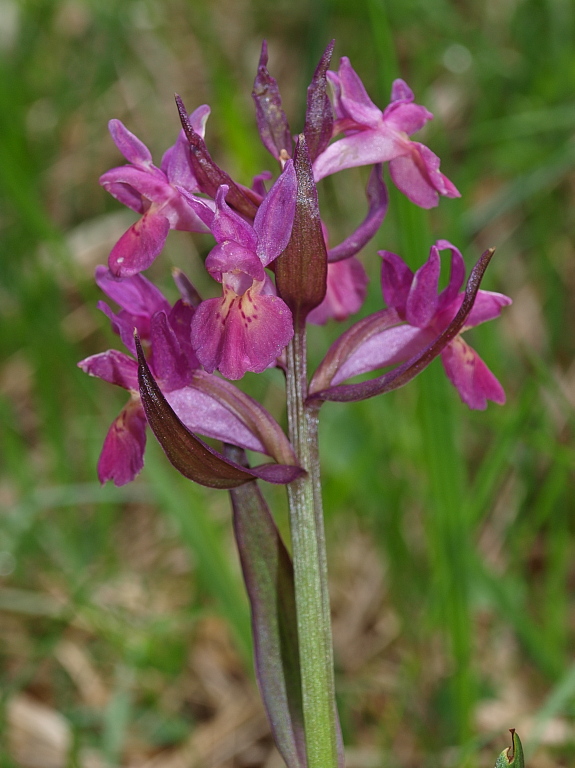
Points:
[[277, 274]]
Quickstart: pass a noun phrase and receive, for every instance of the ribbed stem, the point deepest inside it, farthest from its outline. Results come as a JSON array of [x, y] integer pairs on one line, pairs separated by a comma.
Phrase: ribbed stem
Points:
[[310, 569]]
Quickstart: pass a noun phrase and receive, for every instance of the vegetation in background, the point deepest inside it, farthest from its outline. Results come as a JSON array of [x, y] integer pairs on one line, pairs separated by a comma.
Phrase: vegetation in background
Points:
[[124, 621]]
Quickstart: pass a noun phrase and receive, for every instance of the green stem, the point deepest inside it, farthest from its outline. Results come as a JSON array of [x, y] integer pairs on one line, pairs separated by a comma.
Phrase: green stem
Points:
[[310, 569]]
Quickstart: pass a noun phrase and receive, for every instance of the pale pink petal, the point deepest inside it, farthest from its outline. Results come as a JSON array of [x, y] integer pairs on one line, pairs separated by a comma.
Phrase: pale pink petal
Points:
[[354, 98], [470, 376], [139, 246], [408, 118], [364, 148], [122, 456], [346, 289]]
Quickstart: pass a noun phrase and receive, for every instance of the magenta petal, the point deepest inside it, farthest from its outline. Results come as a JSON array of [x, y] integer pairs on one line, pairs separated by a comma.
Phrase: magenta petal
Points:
[[232, 257], [123, 324], [422, 299], [112, 366], [390, 347], [168, 362], [122, 456], [136, 294], [176, 162], [139, 246], [346, 289], [190, 455], [242, 334], [407, 177], [229, 225], [470, 376], [417, 175], [396, 279], [180, 320], [488, 305], [150, 184], [200, 412], [134, 150], [274, 219], [125, 193], [400, 91], [456, 274]]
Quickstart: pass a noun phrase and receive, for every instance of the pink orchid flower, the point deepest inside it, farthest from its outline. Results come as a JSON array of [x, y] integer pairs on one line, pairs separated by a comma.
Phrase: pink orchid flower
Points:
[[425, 314], [152, 192], [249, 326], [373, 136]]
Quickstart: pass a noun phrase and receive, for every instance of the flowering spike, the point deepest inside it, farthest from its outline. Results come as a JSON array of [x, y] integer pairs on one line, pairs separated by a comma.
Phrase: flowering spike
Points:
[[301, 271], [272, 122], [408, 370], [319, 114], [208, 174], [190, 455]]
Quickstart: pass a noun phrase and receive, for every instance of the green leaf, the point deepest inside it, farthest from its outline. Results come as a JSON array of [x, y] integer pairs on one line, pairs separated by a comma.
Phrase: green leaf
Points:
[[268, 575], [513, 755]]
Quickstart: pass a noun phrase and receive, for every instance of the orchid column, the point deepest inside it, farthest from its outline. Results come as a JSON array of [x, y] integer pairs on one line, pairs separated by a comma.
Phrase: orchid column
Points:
[[277, 274]]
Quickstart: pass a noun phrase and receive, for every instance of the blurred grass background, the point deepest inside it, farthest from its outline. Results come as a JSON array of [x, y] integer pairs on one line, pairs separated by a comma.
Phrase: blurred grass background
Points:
[[124, 632]]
